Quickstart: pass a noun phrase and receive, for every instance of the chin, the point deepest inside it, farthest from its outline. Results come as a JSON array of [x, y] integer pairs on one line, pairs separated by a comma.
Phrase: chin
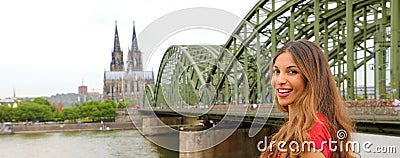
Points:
[[284, 103]]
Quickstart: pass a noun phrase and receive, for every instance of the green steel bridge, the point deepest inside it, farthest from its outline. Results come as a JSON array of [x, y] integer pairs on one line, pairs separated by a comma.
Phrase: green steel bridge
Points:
[[360, 38]]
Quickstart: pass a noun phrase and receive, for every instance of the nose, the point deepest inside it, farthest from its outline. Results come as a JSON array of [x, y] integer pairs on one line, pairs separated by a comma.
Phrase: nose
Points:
[[280, 79]]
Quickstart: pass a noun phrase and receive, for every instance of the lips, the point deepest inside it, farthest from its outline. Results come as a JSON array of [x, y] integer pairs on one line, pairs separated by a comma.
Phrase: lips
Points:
[[284, 92]]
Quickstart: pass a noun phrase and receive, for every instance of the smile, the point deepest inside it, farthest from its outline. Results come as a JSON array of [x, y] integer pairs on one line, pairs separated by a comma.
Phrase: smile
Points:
[[283, 92]]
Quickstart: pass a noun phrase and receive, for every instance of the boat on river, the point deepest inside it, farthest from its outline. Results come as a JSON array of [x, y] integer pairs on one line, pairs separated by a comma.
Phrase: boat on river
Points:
[[5, 130]]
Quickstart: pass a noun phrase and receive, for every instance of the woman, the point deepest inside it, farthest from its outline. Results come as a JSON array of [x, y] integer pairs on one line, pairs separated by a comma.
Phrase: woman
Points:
[[306, 90]]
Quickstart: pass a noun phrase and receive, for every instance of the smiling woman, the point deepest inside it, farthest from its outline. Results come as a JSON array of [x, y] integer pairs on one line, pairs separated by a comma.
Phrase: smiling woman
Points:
[[287, 80], [306, 90]]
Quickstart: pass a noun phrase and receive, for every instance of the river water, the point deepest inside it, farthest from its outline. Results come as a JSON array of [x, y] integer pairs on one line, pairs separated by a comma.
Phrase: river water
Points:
[[91, 144], [130, 143]]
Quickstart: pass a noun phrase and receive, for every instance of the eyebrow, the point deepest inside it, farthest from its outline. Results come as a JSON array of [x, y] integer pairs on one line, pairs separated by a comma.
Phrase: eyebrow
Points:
[[291, 66]]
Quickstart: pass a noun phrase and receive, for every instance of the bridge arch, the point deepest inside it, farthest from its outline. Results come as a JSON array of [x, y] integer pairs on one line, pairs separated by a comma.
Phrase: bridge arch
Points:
[[357, 36]]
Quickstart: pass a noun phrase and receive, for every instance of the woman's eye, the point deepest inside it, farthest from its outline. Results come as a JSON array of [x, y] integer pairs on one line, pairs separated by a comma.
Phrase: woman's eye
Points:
[[292, 71], [275, 71]]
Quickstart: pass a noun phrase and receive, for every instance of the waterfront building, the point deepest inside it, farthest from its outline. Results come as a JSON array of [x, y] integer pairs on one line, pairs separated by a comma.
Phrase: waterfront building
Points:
[[129, 82], [10, 101], [82, 90], [72, 99]]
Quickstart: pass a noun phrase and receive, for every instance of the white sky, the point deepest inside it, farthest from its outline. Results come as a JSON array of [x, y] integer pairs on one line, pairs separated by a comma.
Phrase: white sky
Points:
[[49, 47]]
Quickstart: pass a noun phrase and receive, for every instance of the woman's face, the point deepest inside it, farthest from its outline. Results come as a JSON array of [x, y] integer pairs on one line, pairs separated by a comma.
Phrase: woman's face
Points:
[[287, 80]]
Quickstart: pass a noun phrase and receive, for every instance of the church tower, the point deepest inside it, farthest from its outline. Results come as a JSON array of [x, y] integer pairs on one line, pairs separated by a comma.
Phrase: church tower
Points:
[[117, 62], [134, 61], [130, 83]]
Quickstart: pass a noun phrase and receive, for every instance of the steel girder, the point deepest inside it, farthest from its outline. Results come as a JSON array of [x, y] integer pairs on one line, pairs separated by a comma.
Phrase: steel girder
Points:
[[183, 74], [356, 36]]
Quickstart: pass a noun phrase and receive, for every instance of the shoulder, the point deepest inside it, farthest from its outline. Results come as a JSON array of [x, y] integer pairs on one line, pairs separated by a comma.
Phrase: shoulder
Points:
[[320, 127], [319, 134]]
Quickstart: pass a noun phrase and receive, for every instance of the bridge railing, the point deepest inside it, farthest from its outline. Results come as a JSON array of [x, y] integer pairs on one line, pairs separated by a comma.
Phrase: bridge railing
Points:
[[373, 110], [370, 110]]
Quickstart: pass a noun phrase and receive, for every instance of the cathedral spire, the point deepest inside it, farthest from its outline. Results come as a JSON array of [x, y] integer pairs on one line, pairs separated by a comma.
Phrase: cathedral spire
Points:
[[134, 62], [134, 32], [134, 39], [14, 96], [117, 62], [117, 47]]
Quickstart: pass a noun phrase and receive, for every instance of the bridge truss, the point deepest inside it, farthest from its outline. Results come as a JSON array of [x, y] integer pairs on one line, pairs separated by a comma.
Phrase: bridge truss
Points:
[[360, 39]]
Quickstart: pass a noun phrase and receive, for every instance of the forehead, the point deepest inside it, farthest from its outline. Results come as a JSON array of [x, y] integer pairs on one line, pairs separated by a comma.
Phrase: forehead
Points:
[[284, 60]]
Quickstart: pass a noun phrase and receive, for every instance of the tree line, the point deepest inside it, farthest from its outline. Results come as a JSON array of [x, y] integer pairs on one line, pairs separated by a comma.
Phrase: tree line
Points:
[[40, 109]]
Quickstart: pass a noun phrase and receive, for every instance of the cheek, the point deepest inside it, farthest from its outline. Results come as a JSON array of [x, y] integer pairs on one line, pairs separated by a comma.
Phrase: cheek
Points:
[[300, 85]]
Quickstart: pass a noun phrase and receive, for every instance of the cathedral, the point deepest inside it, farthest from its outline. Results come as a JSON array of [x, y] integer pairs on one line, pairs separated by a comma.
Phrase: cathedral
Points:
[[120, 83]]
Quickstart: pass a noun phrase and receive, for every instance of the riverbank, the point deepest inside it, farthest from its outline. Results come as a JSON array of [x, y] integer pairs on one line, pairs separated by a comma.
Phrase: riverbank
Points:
[[71, 127]]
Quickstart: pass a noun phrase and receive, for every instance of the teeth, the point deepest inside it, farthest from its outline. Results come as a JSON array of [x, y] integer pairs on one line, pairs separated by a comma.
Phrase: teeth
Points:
[[283, 90]]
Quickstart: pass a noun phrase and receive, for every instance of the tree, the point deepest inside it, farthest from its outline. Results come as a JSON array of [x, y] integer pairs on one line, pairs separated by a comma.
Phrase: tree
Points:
[[5, 113], [108, 110], [31, 111], [69, 114], [93, 110], [57, 115], [121, 105], [42, 101]]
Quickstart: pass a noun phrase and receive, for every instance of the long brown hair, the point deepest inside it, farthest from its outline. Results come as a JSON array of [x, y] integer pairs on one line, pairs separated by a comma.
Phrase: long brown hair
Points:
[[320, 97]]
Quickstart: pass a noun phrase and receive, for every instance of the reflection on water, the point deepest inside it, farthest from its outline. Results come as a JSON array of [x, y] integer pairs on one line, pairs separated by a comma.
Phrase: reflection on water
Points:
[[129, 143], [169, 141]]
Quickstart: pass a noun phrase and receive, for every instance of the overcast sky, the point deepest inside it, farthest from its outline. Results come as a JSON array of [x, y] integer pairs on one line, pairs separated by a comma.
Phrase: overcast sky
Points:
[[49, 47]]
